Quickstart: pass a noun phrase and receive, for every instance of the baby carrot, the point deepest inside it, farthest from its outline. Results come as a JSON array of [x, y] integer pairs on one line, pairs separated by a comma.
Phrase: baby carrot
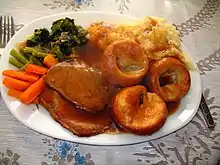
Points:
[[21, 75], [39, 70], [14, 93], [15, 84], [33, 91], [50, 61]]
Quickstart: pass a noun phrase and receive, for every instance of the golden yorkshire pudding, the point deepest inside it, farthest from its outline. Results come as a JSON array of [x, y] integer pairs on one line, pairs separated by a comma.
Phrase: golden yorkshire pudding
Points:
[[124, 63], [177, 78], [139, 112]]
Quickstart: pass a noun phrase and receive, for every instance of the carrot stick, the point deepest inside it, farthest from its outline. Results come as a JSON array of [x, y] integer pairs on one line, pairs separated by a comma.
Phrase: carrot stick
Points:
[[50, 61], [14, 93], [33, 91], [15, 84], [39, 70], [21, 75]]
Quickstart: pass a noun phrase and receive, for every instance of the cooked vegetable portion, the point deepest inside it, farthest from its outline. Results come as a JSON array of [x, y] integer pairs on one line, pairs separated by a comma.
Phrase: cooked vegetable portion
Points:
[[40, 36], [14, 62], [14, 93], [39, 70], [33, 91], [15, 84], [18, 56], [21, 75], [50, 61]]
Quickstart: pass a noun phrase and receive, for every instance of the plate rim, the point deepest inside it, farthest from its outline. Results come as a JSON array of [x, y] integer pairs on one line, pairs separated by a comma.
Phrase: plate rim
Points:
[[77, 140]]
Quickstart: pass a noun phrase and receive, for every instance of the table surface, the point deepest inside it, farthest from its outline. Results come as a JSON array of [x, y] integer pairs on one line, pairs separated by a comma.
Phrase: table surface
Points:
[[199, 23]]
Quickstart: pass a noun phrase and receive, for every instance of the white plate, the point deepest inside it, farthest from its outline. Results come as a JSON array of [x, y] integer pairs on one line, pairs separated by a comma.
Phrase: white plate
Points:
[[40, 120]]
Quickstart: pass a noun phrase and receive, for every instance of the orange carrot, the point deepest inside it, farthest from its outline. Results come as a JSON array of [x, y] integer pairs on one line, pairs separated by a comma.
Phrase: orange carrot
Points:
[[21, 75], [39, 70], [14, 93], [15, 84], [50, 61], [33, 91]]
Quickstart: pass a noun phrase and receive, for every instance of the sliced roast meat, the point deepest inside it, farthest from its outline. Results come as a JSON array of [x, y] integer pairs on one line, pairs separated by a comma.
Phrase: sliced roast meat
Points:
[[80, 84], [76, 120]]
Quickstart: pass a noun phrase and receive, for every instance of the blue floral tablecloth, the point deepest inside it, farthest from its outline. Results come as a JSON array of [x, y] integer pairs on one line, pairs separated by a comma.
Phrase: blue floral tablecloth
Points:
[[199, 23]]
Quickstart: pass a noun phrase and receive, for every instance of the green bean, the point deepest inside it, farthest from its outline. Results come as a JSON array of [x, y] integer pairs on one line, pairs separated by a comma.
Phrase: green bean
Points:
[[18, 56], [39, 54], [27, 56], [35, 60], [26, 50], [14, 62]]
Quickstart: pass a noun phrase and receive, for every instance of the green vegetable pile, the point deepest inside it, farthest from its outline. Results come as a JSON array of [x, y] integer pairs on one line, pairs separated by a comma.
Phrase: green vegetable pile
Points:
[[65, 36]]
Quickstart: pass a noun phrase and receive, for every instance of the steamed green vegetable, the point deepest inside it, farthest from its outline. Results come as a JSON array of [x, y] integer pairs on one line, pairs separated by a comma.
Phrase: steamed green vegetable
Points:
[[39, 54], [18, 56], [61, 42], [64, 37], [14, 62], [35, 61], [40, 36], [26, 50]]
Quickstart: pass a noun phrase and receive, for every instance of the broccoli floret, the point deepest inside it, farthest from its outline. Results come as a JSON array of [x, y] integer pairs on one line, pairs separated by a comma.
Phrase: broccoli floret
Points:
[[67, 35], [40, 36], [64, 43]]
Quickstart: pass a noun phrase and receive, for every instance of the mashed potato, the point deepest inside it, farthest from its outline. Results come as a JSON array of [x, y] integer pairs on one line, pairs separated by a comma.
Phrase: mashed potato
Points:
[[157, 37]]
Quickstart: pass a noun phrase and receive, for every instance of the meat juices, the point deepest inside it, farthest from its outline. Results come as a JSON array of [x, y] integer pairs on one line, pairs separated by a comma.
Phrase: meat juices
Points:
[[80, 84]]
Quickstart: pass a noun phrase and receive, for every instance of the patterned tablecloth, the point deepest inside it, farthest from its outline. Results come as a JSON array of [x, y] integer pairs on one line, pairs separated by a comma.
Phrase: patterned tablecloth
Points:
[[199, 23]]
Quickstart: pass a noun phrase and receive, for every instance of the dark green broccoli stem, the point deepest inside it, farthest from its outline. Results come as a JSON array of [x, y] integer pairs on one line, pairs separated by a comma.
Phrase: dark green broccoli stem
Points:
[[18, 56], [39, 54], [14, 62], [35, 61]]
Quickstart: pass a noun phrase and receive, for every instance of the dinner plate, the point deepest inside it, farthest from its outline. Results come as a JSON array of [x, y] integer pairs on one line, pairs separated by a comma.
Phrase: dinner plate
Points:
[[40, 120]]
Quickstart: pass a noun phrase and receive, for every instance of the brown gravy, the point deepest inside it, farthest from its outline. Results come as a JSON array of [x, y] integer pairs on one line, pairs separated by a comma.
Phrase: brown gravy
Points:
[[91, 54], [172, 107]]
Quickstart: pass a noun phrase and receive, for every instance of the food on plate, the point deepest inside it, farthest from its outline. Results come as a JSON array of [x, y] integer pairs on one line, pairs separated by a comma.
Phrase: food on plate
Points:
[[65, 35], [32, 92], [50, 61], [90, 79], [18, 56], [15, 83], [21, 75], [157, 37], [25, 85], [39, 70], [124, 63], [15, 63], [180, 84], [80, 84], [79, 122], [139, 111], [14, 93], [35, 61]]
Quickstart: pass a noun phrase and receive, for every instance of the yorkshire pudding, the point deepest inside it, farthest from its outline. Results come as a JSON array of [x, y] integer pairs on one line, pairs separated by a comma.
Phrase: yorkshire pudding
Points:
[[174, 89], [139, 112], [124, 63]]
